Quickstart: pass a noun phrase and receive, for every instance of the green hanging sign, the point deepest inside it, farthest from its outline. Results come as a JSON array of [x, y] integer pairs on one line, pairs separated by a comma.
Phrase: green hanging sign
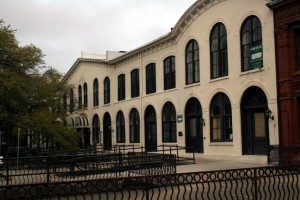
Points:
[[256, 57]]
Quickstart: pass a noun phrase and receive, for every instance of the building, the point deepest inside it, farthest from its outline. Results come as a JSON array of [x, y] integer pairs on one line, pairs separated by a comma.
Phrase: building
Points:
[[208, 85], [287, 41]]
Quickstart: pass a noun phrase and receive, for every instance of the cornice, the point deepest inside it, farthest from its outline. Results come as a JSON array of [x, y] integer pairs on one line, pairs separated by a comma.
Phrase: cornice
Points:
[[77, 64]]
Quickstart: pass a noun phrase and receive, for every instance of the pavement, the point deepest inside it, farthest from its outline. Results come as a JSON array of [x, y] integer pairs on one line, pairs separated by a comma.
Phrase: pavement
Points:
[[209, 164]]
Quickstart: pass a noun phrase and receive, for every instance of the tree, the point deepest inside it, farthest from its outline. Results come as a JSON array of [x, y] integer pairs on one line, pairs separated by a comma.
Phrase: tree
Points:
[[29, 99]]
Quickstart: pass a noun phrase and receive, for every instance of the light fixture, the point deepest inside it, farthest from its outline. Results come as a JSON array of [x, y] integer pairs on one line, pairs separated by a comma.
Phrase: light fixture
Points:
[[268, 114]]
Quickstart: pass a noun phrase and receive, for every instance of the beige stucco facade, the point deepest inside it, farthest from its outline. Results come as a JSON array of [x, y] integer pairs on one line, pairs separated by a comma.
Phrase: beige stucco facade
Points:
[[196, 23]]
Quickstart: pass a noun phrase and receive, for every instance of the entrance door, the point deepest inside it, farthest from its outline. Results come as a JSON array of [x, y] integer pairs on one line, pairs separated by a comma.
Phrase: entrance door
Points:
[[107, 140], [255, 133], [193, 127], [254, 122], [150, 130]]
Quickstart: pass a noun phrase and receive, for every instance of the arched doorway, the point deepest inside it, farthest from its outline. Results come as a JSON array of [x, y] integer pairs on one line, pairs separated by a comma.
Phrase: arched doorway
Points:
[[96, 130], [107, 140], [193, 126], [150, 130], [255, 126]]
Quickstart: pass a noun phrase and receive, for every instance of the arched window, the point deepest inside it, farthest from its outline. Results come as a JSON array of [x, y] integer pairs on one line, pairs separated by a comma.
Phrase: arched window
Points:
[[96, 93], [169, 73], [79, 97], [251, 36], [120, 127], [134, 126], [121, 87], [218, 51], [106, 90], [96, 129], [150, 78], [192, 62], [71, 100], [85, 95], [220, 118], [135, 83], [169, 123]]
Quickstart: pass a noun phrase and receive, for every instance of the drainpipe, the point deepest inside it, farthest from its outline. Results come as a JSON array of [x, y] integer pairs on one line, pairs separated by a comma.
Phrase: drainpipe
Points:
[[141, 94]]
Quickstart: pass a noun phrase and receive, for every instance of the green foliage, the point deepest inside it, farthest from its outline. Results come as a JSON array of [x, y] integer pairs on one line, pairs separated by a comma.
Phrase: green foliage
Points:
[[29, 99]]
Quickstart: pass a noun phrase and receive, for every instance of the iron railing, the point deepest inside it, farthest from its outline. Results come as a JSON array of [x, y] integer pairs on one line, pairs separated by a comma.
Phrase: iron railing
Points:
[[284, 155], [276, 182], [76, 167]]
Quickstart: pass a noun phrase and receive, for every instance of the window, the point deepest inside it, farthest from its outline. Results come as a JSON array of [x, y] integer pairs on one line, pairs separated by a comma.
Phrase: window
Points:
[[96, 93], [79, 97], [218, 51], [192, 62], [251, 36], [120, 127], [169, 73], [134, 126], [150, 78], [169, 123], [96, 129], [85, 96], [106, 90], [135, 83], [71, 100], [121, 87], [220, 119]]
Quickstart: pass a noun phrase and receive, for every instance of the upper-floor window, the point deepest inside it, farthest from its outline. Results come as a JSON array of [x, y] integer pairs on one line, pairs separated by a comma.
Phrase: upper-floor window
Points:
[[220, 118], [71, 100], [96, 92], [192, 62], [218, 51], [251, 36], [135, 83], [169, 123], [150, 78], [120, 127], [169, 73], [85, 95], [121, 87], [106, 90], [79, 97], [134, 126]]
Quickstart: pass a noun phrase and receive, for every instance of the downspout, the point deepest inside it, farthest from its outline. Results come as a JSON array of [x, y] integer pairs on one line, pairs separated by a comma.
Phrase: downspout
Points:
[[141, 94]]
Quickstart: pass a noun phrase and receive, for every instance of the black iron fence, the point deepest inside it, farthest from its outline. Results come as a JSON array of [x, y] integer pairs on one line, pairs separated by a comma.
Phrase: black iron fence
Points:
[[29, 170], [284, 155], [275, 182], [179, 151]]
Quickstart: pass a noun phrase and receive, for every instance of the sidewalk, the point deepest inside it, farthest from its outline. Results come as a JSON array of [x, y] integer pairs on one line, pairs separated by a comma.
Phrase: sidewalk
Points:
[[204, 164]]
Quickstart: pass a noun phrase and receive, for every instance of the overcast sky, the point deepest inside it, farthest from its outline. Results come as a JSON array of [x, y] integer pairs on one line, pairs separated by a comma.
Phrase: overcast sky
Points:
[[64, 28]]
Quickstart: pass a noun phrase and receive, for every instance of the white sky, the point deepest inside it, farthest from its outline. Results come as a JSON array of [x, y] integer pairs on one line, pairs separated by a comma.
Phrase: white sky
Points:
[[64, 28]]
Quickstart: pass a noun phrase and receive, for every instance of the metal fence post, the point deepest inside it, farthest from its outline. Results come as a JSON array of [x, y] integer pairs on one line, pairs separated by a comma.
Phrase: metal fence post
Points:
[[7, 172], [255, 185], [48, 170]]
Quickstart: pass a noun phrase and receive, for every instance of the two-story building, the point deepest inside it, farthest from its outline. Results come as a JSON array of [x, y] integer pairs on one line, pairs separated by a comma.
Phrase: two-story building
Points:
[[208, 85]]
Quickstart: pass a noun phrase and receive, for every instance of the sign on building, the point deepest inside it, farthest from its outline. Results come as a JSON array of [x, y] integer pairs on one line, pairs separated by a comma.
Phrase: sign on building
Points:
[[256, 57]]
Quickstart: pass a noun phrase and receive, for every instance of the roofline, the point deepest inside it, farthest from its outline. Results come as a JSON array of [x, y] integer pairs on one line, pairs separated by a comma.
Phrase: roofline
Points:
[[178, 28]]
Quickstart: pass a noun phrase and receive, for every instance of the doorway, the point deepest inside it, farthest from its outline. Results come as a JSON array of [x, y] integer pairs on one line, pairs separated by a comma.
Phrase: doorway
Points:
[[150, 130]]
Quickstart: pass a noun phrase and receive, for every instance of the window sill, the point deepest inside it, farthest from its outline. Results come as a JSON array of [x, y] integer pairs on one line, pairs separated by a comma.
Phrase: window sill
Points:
[[252, 71], [221, 144], [192, 85], [219, 79]]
